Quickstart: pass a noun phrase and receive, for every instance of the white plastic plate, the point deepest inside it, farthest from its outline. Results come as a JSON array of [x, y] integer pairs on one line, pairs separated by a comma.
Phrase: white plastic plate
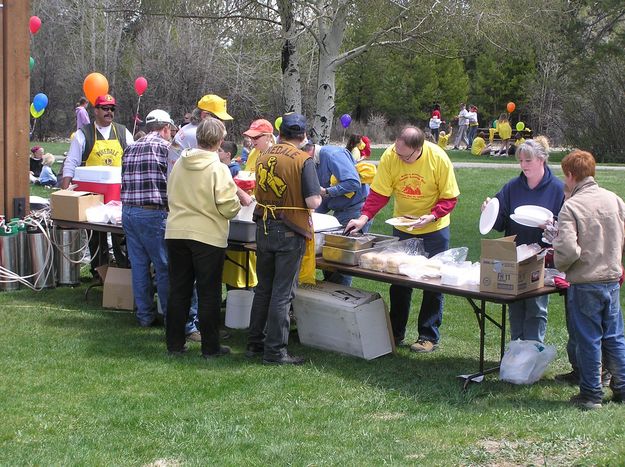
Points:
[[489, 216]]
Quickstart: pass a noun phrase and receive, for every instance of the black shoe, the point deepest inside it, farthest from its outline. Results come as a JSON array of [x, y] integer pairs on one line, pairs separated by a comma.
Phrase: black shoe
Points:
[[618, 398], [178, 353], [584, 403], [285, 360], [254, 350], [571, 378], [223, 350]]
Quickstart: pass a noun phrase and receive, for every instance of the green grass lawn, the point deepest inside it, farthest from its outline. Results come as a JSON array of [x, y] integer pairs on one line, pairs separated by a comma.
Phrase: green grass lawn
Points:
[[84, 385]]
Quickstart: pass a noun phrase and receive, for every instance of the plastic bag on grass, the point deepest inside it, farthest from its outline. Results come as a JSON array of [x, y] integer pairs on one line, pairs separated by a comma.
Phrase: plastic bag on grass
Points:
[[525, 361]]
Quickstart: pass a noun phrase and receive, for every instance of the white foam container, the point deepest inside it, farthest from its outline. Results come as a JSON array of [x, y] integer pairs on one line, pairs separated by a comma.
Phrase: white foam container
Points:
[[98, 174], [239, 308]]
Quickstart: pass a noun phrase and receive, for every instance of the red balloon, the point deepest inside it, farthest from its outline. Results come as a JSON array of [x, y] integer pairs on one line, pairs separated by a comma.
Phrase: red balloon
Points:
[[141, 84], [34, 24], [510, 107]]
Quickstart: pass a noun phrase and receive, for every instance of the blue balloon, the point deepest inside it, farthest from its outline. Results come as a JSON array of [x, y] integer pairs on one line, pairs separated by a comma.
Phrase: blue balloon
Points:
[[40, 102], [345, 120]]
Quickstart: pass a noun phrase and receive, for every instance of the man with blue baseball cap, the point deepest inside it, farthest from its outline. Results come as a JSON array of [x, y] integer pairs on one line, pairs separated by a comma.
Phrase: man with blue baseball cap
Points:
[[287, 190]]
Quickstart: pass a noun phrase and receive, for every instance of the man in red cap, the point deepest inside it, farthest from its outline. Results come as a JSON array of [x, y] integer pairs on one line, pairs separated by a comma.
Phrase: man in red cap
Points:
[[101, 142]]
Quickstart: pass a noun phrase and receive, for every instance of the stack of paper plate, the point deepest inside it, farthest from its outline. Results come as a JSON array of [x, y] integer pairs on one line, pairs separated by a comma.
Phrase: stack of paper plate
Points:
[[531, 215]]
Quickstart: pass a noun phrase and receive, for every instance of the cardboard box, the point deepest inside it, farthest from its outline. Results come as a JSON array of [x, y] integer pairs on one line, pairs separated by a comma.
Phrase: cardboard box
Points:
[[501, 272], [117, 288], [346, 320], [71, 205]]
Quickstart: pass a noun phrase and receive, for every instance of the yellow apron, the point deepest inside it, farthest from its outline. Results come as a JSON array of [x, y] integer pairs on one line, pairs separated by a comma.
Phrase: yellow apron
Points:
[[234, 271], [106, 151]]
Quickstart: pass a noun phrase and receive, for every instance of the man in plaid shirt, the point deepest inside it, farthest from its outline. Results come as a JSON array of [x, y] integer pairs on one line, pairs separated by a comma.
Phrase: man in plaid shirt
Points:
[[144, 212]]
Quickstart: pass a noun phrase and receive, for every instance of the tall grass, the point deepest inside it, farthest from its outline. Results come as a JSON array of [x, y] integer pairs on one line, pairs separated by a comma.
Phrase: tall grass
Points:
[[83, 385]]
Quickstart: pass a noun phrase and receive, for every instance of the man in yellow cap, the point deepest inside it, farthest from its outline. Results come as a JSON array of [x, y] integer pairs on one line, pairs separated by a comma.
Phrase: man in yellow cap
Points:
[[210, 105]]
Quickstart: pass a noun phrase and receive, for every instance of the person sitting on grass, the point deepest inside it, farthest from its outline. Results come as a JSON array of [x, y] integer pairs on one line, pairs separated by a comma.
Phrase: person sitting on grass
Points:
[[443, 138], [518, 141], [479, 146], [47, 177], [35, 163]]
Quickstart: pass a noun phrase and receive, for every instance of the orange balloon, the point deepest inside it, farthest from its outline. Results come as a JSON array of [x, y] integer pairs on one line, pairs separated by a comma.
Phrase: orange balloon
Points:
[[95, 85], [511, 106]]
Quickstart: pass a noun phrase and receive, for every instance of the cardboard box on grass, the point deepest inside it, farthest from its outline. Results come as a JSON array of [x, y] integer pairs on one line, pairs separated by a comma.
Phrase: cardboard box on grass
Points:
[[343, 319], [70, 205], [501, 272], [117, 288]]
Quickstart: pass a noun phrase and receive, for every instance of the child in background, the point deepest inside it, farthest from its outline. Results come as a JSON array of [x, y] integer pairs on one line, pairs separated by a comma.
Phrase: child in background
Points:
[[479, 146], [443, 138], [247, 147], [354, 143], [518, 141], [505, 133], [36, 163], [227, 152], [366, 151], [435, 124], [47, 177]]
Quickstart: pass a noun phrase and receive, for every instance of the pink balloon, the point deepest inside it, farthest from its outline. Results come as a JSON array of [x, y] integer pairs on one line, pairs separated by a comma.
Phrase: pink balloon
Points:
[[141, 84], [34, 24]]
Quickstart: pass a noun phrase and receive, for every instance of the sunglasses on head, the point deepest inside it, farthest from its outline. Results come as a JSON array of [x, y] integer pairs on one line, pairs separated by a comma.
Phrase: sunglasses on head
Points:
[[107, 108]]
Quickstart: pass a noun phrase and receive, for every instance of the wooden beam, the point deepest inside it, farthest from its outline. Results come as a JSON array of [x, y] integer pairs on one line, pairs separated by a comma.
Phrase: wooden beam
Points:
[[15, 102]]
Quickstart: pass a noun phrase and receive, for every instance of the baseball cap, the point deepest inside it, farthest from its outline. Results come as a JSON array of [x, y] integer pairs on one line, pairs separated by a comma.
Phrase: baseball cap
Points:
[[259, 127], [214, 104], [159, 116], [106, 99], [294, 122]]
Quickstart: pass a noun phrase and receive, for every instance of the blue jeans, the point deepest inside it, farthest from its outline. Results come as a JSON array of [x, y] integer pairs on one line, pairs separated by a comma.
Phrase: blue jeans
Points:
[[278, 258], [597, 323], [471, 135], [431, 312], [528, 319], [344, 216], [194, 266], [145, 240]]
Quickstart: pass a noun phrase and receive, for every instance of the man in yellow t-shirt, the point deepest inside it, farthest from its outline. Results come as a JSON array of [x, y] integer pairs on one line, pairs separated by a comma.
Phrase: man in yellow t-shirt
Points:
[[420, 176]]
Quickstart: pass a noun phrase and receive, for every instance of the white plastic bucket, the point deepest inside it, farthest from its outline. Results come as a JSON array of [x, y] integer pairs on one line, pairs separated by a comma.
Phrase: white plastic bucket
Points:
[[238, 308]]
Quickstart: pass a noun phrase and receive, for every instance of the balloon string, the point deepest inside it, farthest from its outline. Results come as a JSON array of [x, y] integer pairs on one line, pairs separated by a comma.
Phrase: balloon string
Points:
[[134, 127]]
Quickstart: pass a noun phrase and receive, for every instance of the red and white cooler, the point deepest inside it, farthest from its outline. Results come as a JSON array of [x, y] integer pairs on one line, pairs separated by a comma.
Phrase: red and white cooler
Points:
[[100, 179]]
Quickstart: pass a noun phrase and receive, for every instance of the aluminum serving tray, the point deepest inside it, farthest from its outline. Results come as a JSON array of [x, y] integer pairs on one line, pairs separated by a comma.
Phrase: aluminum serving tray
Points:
[[336, 239], [352, 257]]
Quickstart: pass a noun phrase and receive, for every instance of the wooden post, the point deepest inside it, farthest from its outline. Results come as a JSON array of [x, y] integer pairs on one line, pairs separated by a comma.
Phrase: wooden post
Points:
[[14, 105]]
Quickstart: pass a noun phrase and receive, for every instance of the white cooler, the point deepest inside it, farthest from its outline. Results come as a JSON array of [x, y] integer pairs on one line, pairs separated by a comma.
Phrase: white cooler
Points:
[[105, 180], [343, 319]]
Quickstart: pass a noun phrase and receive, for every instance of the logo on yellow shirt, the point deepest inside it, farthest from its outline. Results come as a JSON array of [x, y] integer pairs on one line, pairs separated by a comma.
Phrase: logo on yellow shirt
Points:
[[410, 185], [266, 177]]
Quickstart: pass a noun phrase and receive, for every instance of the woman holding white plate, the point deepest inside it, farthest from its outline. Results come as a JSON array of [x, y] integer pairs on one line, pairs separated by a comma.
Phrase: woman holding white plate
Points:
[[537, 187]]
